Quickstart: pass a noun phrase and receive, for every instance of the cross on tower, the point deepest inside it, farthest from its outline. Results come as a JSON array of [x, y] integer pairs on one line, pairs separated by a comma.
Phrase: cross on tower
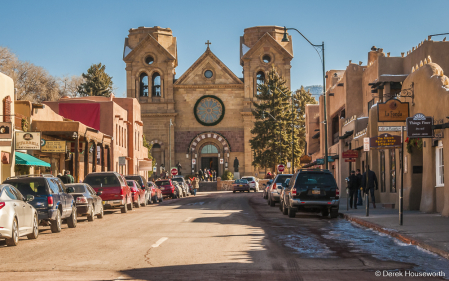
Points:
[[208, 43]]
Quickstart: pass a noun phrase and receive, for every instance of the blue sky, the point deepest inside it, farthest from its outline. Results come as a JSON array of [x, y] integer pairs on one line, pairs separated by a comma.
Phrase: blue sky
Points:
[[66, 37]]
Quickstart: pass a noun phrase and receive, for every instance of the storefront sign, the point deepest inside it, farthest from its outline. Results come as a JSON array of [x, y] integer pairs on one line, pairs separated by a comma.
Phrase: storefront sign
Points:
[[145, 165], [53, 146], [5, 130], [350, 154], [320, 161], [122, 160], [350, 160], [392, 111], [419, 126], [28, 140], [385, 141], [389, 128], [305, 159], [366, 145], [6, 157]]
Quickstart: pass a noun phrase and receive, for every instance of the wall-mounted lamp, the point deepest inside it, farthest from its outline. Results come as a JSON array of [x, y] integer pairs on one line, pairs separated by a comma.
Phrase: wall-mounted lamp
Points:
[[187, 155], [228, 155], [218, 155], [196, 155], [74, 135], [226, 164]]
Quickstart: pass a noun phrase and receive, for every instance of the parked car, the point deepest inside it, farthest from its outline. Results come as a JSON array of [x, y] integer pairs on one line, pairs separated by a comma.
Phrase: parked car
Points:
[[167, 188], [88, 202], [17, 216], [115, 193], [138, 178], [275, 190], [267, 187], [179, 189], [52, 200], [182, 182], [190, 185], [155, 193], [253, 183], [138, 193], [312, 190], [240, 185]]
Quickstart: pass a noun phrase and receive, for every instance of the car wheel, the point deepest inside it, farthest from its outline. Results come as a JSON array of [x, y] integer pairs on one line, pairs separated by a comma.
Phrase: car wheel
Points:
[[291, 212], [91, 215], [234, 191], [271, 203], [35, 232], [56, 223], [125, 207], [131, 206], [138, 202], [101, 214], [73, 219], [284, 210], [325, 212], [334, 213], [144, 204], [161, 199], [14, 240]]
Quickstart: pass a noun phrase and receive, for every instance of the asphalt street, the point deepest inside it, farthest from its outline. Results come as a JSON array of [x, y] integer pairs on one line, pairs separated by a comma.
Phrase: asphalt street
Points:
[[214, 236]]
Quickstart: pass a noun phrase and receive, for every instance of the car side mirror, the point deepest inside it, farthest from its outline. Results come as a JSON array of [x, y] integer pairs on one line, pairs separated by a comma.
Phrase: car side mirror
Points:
[[99, 193], [29, 198], [70, 189]]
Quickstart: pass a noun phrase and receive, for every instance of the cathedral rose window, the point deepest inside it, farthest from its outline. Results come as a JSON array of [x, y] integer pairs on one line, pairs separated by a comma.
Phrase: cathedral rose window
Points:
[[209, 110]]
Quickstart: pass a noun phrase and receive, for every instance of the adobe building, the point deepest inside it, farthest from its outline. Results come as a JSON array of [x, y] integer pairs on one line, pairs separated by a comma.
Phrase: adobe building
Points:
[[202, 118], [119, 120], [416, 80], [7, 126]]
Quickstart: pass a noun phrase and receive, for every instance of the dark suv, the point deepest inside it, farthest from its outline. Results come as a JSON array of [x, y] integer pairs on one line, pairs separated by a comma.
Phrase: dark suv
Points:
[[51, 199], [311, 190]]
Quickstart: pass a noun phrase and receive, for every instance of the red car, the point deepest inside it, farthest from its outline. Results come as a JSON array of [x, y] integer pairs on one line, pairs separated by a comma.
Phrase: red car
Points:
[[167, 188], [138, 193], [115, 192], [155, 193]]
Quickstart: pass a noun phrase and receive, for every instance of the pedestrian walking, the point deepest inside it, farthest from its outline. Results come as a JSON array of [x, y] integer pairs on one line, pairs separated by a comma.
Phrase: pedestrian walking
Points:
[[372, 183], [359, 189], [196, 185], [69, 176], [200, 175], [353, 185], [206, 175], [214, 174]]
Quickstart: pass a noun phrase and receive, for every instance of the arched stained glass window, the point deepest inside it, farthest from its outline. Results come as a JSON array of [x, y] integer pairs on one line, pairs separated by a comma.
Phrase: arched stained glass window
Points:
[[260, 78], [156, 85], [143, 85], [209, 149]]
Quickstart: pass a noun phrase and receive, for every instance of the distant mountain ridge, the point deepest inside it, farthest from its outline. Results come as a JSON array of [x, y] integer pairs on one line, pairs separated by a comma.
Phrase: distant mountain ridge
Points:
[[314, 89]]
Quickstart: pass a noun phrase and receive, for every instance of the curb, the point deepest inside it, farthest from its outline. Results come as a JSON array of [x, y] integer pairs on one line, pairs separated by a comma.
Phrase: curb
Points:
[[397, 235]]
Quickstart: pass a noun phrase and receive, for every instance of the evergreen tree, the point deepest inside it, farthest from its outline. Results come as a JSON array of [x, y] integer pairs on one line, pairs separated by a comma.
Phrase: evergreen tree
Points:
[[97, 82]]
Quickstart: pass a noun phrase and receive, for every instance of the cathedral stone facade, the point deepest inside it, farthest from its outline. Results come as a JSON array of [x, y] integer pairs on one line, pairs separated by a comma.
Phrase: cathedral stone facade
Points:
[[203, 118]]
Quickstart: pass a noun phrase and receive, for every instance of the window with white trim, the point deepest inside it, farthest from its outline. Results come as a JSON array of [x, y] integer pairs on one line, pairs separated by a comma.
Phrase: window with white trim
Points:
[[439, 165]]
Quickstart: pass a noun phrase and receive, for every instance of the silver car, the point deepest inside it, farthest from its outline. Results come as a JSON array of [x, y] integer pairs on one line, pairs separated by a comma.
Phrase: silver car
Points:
[[17, 217], [179, 191], [253, 183], [183, 184], [275, 191]]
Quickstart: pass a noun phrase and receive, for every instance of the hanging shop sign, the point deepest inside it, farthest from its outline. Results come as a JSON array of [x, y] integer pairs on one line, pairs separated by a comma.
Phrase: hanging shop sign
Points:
[[122, 161], [389, 128], [366, 144], [350, 154], [5, 130], [385, 141], [305, 159], [145, 165], [53, 146], [419, 126], [28, 140], [320, 161], [392, 111]]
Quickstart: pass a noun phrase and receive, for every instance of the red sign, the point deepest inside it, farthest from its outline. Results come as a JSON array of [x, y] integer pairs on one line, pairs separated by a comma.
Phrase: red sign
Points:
[[174, 171], [350, 160], [350, 154], [281, 168]]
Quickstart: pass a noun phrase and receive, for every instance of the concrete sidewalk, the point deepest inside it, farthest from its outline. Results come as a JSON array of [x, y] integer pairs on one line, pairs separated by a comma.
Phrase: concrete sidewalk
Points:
[[428, 231]]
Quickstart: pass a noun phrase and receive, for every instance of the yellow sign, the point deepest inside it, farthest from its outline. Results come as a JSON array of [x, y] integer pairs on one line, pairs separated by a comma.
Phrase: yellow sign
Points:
[[392, 111], [54, 146]]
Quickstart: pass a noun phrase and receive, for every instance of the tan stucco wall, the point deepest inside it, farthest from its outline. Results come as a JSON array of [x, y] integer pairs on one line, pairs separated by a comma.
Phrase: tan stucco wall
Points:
[[7, 89]]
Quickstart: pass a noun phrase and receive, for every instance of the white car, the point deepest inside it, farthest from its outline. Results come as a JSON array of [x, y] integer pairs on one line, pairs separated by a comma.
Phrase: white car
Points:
[[253, 183]]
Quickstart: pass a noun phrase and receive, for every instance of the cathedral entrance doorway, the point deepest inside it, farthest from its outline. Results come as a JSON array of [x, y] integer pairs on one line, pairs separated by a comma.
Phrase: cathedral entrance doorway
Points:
[[210, 163]]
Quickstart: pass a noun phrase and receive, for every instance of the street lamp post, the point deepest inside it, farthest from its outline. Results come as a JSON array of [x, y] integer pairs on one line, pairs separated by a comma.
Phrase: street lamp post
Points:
[[285, 39]]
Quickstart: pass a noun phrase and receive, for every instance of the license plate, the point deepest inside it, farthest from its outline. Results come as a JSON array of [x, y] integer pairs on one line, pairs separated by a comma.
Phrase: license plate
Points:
[[162, 188], [316, 191], [240, 185]]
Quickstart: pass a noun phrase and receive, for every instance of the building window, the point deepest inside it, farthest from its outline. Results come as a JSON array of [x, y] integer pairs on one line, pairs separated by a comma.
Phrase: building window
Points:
[[335, 130], [266, 58], [143, 85], [149, 60], [138, 141], [260, 80], [382, 171], [439, 164], [392, 170], [209, 149], [126, 138], [156, 145], [116, 133], [208, 74], [156, 85]]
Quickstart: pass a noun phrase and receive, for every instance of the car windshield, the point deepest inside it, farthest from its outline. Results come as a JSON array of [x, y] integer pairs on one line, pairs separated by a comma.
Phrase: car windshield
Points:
[[242, 181], [29, 186], [79, 188], [102, 180], [248, 179], [161, 183], [130, 183], [179, 180], [281, 179], [315, 179]]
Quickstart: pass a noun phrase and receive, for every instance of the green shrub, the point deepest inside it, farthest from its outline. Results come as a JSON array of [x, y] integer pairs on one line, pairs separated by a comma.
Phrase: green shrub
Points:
[[227, 175]]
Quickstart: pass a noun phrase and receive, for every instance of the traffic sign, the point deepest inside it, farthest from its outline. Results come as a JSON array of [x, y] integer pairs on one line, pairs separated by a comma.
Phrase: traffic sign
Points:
[[154, 169], [281, 168], [193, 161], [365, 144], [174, 171]]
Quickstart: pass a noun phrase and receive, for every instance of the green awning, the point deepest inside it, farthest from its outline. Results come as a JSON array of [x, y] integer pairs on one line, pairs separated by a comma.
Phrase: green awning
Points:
[[28, 160]]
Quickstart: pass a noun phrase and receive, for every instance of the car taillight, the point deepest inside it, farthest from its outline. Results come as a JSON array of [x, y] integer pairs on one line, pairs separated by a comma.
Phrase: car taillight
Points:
[[274, 187], [2, 204], [253, 182], [81, 200], [122, 191], [294, 191], [337, 193], [50, 201]]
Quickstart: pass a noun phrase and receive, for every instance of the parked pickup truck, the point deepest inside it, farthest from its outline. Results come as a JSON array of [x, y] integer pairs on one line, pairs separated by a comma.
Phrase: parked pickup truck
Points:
[[51, 199], [115, 192]]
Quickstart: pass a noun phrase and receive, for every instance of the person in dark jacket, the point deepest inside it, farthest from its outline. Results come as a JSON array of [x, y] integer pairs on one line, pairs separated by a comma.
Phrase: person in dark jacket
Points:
[[353, 185], [372, 183], [359, 189], [200, 174]]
